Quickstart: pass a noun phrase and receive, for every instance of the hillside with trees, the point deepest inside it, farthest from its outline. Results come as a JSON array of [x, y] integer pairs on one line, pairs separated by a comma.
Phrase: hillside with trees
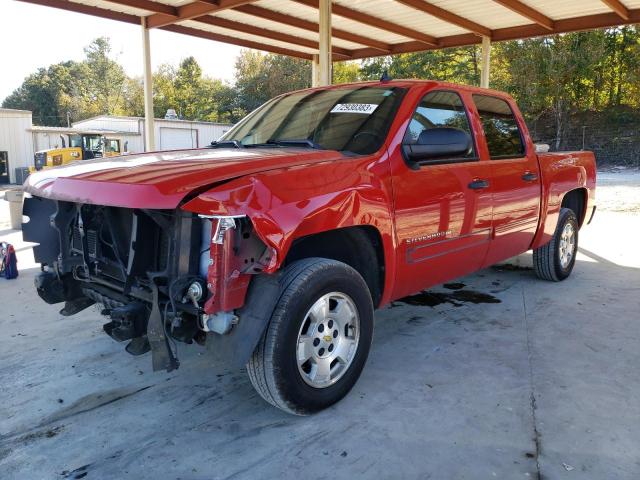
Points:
[[573, 88]]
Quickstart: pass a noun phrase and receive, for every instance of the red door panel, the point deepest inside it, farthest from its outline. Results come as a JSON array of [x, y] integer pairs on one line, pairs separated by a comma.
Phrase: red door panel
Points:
[[516, 207], [443, 226], [515, 177], [444, 231]]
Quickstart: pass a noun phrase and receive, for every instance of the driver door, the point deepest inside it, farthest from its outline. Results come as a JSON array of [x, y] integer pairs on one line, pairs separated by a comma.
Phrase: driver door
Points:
[[443, 206]]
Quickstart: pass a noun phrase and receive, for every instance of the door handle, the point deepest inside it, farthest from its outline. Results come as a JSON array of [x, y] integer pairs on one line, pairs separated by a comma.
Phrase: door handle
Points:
[[529, 177], [479, 184]]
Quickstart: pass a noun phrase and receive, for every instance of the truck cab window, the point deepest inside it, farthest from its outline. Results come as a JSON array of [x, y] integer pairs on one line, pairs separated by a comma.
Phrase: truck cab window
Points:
[[439, 109], [501, 130]]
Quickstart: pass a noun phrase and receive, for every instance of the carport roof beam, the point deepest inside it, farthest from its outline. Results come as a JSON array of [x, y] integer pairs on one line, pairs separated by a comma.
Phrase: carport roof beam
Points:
[[150, 5], [527, 12], [192, 10], [373, 21], [617, 7], [272, 34], [195, 32], [447, 16], [296, 22]]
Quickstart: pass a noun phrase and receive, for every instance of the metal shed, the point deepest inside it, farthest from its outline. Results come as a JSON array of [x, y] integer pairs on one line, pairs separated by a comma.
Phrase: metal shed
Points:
[[16, 146], [170, 133]]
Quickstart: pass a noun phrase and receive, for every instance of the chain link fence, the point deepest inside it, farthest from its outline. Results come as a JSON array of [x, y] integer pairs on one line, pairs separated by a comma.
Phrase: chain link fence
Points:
[[613, 144]]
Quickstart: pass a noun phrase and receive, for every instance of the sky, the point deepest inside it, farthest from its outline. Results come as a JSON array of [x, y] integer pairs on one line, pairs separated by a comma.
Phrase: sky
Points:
[[32, 36]]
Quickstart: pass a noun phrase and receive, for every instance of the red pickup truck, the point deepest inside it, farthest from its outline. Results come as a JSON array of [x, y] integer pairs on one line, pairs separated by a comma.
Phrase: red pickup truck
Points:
[[273, 247]]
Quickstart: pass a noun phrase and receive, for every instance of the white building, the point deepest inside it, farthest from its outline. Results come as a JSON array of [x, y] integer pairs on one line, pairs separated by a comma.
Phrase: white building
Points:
[[19, 139], [170, 134], [45, 138], [16, 144]]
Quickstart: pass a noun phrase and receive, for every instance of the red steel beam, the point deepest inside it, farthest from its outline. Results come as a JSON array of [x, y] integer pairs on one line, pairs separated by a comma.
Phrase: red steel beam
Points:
[[271, 34], [149, 5], [194, 32], [86, 9], [193, 10], [527, 12], [588, 22], [285, 19], [377, 22], [447, 16], [618, 7]]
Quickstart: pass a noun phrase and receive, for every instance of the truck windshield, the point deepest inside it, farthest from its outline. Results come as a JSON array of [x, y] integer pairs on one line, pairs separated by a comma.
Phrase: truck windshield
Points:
[[349, 119]]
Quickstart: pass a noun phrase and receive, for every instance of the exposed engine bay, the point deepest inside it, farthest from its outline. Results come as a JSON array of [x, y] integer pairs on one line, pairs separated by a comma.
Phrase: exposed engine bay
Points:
[[161, 276]]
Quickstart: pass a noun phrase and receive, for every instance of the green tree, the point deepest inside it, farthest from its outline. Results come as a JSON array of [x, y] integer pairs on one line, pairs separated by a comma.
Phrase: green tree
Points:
[[49, 93], [193, 95], [104, 79], [460, 65], [259, 77], [188, 88], [346, 72], [75, 90]]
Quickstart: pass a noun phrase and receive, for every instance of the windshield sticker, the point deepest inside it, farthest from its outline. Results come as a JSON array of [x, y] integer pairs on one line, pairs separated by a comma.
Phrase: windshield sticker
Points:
[[366, 108]]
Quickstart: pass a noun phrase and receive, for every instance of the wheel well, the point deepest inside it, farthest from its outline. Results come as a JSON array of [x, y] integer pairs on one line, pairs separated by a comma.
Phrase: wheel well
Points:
[[359, 247], [576, 201]]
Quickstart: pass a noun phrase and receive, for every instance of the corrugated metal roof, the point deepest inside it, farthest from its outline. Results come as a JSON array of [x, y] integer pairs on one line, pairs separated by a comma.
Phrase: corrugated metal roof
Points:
[[362, 28], [124, 117], [485, 12], [559, 10], [73, 130]]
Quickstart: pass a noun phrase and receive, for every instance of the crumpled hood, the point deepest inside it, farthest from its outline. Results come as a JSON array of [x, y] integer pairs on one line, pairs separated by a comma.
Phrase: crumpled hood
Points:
[[160, 180]]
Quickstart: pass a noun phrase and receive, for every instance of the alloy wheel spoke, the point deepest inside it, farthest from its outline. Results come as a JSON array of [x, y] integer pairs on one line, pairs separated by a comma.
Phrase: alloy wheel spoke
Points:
[[343, 313], [305, 349], [321, 371], [345, 350], [320, 310]]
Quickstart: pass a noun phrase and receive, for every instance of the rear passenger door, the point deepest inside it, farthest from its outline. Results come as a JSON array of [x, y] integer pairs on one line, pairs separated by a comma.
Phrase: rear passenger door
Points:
[[515, 178], [443, 205]]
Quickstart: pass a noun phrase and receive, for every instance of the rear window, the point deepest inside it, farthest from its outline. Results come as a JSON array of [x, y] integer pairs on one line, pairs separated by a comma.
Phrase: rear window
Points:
[[501, 130]]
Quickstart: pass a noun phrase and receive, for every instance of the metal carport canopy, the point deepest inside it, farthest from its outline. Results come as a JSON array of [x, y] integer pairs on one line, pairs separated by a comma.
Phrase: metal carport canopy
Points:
[[325, 30], [361, 28]]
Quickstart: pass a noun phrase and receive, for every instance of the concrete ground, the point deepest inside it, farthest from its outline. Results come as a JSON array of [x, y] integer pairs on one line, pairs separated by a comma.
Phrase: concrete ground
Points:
[[540, 383]]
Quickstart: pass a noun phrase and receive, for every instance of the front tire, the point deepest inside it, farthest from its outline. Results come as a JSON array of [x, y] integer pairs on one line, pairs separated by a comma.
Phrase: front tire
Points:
[[318, 338], [555, 260]]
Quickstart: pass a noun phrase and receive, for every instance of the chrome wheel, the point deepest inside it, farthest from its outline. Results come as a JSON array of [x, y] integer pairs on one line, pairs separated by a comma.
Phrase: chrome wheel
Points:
[[567, 245], [328, 340]]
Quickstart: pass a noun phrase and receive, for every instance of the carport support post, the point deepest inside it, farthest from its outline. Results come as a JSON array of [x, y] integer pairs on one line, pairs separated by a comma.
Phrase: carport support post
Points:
[[149, 127], [485, 69], [324, 57], [315, 71]]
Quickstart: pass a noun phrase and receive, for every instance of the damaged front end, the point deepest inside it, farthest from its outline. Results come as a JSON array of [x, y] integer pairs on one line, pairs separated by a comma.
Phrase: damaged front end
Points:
[[160, 275]]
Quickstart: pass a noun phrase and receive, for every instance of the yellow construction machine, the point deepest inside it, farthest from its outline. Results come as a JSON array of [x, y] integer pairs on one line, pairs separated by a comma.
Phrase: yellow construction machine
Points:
[[81, 146]]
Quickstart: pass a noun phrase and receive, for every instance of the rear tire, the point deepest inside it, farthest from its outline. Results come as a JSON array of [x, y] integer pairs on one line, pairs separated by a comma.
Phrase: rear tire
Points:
[[318, 338], [555, 260]]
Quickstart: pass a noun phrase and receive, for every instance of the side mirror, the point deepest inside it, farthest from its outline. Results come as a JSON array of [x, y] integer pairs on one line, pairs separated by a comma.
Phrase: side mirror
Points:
[[439, 143]]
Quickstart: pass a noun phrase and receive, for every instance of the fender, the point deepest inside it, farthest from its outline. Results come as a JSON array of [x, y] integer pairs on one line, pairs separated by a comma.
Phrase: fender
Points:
[[561, 173], [290, 203]]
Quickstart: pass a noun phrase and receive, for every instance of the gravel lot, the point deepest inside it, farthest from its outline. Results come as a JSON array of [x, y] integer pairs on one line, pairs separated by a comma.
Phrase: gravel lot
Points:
[[541, 383]]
